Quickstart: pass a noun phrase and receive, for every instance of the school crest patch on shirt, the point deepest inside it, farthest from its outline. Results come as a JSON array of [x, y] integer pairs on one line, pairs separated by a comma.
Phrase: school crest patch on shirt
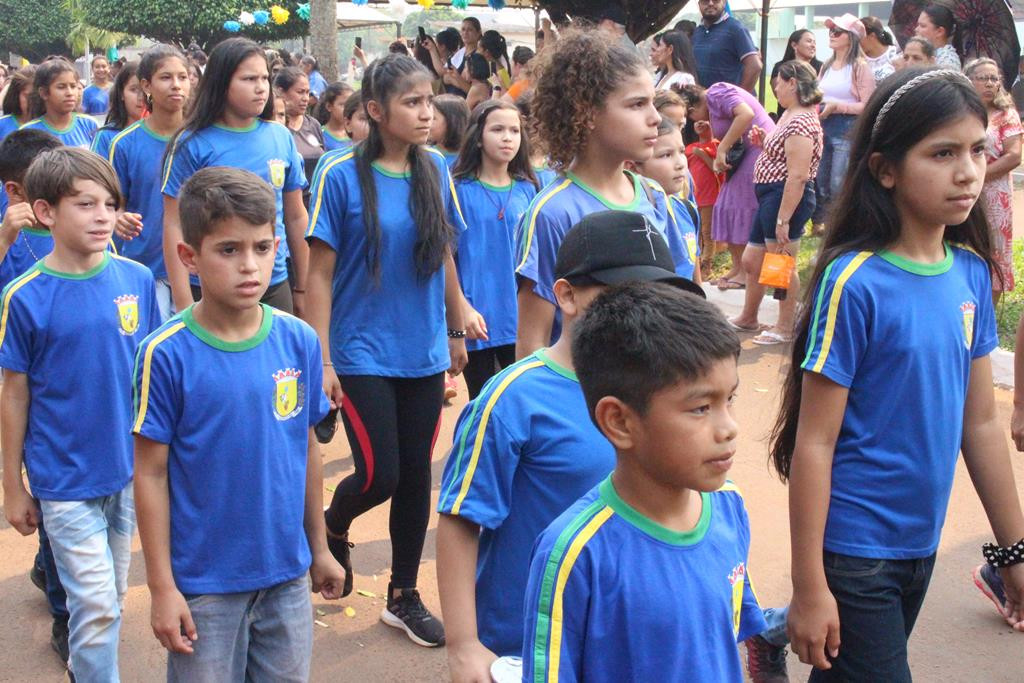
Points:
[[967, 309], [289, 394], [127, 313], [737, 578], [277, 172]]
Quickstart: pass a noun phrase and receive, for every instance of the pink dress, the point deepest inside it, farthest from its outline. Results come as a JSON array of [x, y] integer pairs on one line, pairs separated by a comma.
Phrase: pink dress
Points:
[[997, 195]]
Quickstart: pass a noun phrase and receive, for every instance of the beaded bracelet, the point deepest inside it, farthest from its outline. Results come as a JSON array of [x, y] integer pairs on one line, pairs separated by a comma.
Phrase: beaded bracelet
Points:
[[456, 334], [1003, 556]]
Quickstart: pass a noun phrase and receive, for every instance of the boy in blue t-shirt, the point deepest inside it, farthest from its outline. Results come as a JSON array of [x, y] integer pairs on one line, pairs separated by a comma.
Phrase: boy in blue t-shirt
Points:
[[68, 331], [646, 577], [525, 450], [231, 520]]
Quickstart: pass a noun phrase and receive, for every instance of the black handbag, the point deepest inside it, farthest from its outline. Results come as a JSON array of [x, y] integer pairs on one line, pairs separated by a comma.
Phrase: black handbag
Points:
[[734, 157]]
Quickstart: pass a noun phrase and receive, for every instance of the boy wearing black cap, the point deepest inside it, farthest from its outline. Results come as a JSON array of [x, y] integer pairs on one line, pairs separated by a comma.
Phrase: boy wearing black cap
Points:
[[525, 449], [645, 577]]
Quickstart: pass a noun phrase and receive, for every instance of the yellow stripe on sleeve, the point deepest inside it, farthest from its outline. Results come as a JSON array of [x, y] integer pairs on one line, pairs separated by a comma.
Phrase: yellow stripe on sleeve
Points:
[[18, 284], [320, 190], [147, 366], [117, 139], [533, 219], [478, 444], [555, 644], [833, 306]]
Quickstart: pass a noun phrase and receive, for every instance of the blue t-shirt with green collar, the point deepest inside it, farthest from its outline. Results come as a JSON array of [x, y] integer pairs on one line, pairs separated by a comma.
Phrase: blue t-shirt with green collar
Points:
[[79, 134], [74, 336]]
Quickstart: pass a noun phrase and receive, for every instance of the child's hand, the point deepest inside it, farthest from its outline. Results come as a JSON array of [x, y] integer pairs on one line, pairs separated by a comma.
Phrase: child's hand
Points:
[[332, 387], [813, 627], [1017, 427], [470, 662], [169, 616], [756, 136], [457, 354], [326, 576], [21, 511], [476, 326], [1013, 586], [128, 226], [17, 217]]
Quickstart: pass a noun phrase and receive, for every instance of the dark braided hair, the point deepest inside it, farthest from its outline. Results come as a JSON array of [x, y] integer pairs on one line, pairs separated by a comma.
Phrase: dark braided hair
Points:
[[383, 80]]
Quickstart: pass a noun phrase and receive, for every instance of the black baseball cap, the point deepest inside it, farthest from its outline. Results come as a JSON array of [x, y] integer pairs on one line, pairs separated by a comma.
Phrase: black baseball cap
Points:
[[613, 247]]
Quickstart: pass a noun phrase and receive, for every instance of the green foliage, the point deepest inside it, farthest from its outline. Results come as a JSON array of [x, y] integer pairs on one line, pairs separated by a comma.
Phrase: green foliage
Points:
[[181, 22], [34, 28], [432, 20], [83, 36]]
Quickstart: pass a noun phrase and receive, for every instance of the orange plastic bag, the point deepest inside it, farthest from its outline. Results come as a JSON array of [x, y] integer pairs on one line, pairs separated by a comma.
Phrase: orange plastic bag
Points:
[[777, 270]]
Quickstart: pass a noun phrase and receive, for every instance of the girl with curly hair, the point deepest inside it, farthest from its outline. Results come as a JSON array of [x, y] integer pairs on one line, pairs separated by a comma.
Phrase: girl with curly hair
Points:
[[609, 120]]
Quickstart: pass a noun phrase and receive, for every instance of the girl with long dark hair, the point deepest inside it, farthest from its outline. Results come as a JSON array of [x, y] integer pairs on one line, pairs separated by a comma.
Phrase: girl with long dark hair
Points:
[[230, 124], [126, 107], [383, 291]]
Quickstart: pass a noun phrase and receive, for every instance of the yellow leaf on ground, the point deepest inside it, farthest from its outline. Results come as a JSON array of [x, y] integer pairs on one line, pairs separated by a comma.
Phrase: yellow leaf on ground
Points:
[[349, 612]]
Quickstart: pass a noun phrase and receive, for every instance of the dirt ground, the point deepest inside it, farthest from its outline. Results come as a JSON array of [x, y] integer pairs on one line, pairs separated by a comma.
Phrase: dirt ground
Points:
[[959, 636]]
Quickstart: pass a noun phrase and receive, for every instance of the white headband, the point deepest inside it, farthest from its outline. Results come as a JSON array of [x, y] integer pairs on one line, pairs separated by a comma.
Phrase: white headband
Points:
[[907, 87]]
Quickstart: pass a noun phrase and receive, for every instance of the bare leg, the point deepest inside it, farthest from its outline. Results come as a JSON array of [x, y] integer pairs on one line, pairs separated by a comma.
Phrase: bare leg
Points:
[[751, 262]]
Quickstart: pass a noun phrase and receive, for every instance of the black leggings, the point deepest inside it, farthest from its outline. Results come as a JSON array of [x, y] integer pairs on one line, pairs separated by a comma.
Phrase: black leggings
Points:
[[486, 363], [391, 423]]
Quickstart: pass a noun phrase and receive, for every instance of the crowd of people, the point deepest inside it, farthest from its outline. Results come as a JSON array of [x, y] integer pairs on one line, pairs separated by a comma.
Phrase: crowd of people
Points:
[[245, 253]]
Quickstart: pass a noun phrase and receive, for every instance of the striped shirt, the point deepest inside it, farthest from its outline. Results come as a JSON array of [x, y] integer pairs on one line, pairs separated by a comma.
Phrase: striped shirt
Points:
[[771, 165]]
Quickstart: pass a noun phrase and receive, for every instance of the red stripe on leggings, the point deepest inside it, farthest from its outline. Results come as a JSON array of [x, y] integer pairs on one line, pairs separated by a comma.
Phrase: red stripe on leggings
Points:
[[362, 437], [437, 430]]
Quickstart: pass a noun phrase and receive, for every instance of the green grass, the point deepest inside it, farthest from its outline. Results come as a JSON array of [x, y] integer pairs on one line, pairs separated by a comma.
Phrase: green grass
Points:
[[1008, 312]]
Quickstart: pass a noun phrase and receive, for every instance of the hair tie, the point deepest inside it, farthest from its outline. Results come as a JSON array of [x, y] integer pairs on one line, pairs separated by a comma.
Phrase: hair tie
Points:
[[907, 87]]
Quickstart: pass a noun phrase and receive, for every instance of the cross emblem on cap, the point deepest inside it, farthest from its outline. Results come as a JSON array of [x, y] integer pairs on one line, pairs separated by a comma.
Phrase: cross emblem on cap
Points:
[[647, 231]]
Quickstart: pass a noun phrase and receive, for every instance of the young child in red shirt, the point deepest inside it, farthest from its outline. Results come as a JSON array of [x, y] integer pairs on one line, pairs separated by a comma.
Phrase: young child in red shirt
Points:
[[701, 149]]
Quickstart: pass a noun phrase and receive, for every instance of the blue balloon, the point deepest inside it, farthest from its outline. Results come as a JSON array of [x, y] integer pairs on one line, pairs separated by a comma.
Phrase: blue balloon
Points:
[[262, 17], [232, 26]]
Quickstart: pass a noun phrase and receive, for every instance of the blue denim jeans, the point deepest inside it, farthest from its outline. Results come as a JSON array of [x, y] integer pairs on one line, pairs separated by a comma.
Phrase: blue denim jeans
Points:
[[91, 542], [55, 594], [264, 635], [879, 601], [835, 160]]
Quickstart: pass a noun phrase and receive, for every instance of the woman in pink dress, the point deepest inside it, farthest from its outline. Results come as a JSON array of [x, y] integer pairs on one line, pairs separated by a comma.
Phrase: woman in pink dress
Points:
[[1002, 148]]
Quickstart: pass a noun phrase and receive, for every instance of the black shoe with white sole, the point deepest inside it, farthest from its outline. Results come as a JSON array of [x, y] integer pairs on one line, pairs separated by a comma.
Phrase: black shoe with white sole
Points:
[[408, 613]]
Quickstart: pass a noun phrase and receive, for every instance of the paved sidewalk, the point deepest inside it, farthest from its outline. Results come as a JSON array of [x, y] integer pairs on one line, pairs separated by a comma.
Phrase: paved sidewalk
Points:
[[731, 303]]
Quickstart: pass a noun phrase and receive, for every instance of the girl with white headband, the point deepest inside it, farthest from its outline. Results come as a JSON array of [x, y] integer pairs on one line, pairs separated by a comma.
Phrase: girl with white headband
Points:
[[890, 380]]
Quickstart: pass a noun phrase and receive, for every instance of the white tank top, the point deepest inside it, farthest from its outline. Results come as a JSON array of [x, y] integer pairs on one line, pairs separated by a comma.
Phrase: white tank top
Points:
[[837, 84]]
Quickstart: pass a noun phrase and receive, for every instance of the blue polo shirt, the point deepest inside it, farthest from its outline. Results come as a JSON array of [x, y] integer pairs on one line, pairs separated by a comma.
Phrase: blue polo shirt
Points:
[[720, 49]]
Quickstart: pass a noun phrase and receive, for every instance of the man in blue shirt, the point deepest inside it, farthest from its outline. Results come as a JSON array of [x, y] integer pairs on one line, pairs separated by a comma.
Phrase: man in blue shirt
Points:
[[723, 49]]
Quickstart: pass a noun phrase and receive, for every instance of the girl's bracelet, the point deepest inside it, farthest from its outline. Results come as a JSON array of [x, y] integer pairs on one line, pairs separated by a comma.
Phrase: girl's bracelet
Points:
[[456, 334], [1003, 556]]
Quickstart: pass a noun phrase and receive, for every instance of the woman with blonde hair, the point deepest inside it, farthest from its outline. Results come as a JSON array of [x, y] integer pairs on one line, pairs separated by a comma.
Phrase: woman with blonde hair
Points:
[[1003, 151]]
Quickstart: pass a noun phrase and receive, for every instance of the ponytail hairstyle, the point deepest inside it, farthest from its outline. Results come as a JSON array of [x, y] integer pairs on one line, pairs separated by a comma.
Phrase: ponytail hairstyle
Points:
[[117, 115], [943, 17], [47, 73], [210, 100], [497, 47], [21, 81], [153, 59], [808, 91], [864, 217], [384, 79], [455, 112], [472, 153], [1002, 101], [574, 77], [333, 92]]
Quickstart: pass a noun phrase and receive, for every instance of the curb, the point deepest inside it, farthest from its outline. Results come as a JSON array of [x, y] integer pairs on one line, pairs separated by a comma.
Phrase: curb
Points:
[[730, 302]]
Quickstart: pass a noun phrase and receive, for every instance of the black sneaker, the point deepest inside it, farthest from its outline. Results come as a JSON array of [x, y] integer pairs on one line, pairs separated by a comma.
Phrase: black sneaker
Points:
[[340, 548], [408, 613], [38, 577], [59, 639], [766, 663], [326, 427]]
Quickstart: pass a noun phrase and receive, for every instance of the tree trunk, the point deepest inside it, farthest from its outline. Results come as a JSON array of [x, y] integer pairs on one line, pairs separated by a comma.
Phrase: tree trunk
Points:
[[323, 31]]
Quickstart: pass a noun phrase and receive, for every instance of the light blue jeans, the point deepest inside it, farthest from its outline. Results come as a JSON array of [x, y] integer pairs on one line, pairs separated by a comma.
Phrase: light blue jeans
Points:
[[264, 635], [91, 542], [835, 162]]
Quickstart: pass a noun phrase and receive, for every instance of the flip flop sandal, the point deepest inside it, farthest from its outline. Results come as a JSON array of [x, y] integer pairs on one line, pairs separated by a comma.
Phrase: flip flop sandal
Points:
[[725, 285], [769, 338]]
